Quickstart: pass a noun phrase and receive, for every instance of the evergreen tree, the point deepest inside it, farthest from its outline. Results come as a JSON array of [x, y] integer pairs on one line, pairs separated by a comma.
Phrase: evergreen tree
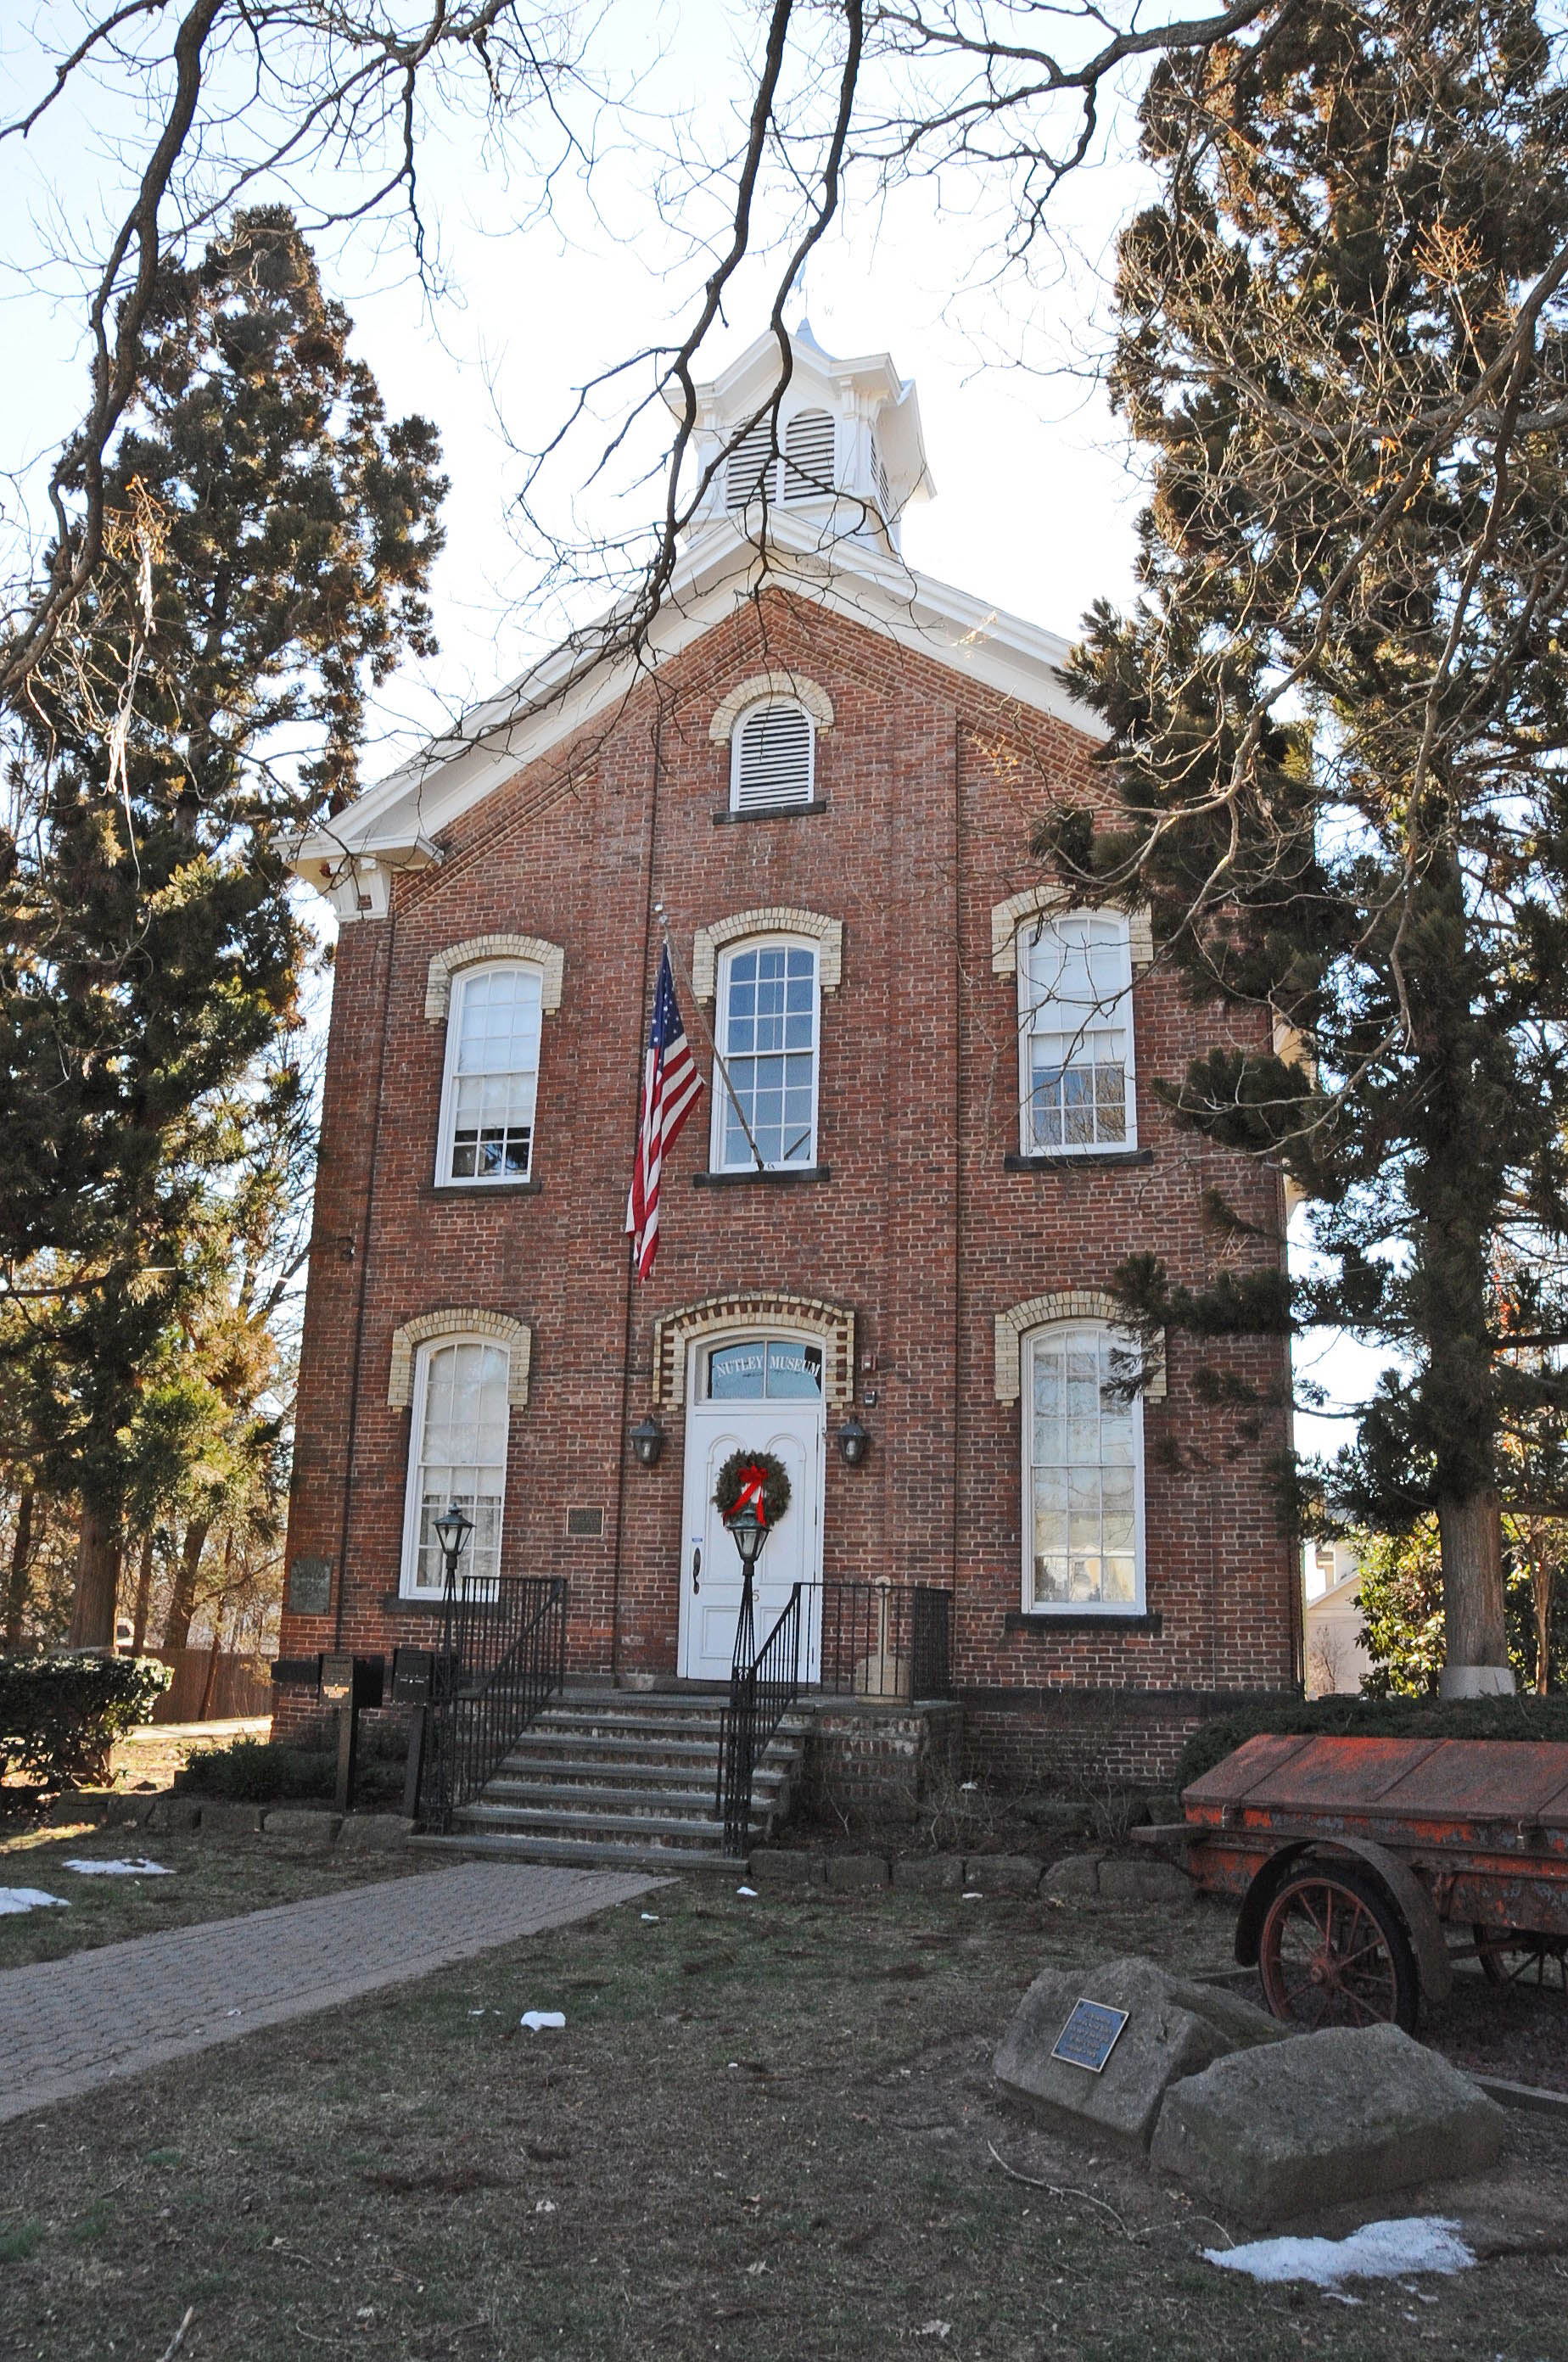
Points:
[[1339, 709], [271, 535]]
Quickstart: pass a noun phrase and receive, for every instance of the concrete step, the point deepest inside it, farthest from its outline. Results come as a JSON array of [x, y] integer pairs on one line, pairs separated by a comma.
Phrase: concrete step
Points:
[[540, 1742], [678, 1830], [686, 1728], [623, 1771], [542, 1796], [583, 1853]]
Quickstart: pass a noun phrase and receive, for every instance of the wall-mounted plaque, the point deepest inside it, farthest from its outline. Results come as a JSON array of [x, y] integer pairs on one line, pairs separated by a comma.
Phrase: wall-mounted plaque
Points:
[[1090, 2035], [585, 1524], [310, 1586]]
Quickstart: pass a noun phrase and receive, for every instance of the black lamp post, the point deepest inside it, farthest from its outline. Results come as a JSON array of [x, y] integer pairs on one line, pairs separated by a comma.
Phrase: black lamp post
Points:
[[452, 1531], [749, 1532]]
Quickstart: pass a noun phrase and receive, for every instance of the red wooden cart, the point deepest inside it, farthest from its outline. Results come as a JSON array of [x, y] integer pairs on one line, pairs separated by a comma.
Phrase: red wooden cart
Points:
[[1366, 1867]]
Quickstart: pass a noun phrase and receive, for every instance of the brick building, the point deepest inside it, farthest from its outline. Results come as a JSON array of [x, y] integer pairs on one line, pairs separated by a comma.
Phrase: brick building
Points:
[[824, 782]]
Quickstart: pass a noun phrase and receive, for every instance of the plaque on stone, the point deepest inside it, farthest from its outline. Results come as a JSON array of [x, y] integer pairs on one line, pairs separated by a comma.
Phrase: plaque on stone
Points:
[[310, 1586], [1090, 2035]]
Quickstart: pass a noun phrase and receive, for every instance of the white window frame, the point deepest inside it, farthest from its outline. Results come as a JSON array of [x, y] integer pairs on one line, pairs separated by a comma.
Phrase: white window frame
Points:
[[444, 1177], [723, 1106], [774, 705], [1121, 1341], [1033, 932], [409, 1587]]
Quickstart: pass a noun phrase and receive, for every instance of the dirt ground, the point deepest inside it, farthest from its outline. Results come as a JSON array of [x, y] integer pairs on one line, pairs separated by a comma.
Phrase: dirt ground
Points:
[[209, 1881], [768, 2131]]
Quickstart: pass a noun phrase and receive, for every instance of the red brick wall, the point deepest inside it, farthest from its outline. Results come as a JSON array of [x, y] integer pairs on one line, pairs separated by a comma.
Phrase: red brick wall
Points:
[[933, 786]]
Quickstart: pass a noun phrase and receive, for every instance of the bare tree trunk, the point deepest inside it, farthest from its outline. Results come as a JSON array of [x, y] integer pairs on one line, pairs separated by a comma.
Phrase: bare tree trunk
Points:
[[210, 1683], [1543, 1577], [21, 1567], [177, 1631], [1472, 1538], [97, 1581], [143, 1597]]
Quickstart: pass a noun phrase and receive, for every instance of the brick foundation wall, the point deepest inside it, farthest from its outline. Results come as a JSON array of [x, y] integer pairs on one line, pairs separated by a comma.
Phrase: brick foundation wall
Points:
[[931, 787], [868, 1765]]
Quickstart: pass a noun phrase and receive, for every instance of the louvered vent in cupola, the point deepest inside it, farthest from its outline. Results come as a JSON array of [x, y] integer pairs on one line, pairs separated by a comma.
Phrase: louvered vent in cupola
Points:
[[751, 471], [879, 477], [770, 758], [809, 457]]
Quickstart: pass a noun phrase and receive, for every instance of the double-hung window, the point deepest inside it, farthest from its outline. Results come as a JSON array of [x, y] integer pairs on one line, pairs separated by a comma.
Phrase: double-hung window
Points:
[[766, 1031], [1075, 988], [493, 1074], [1083, 1471], [456, 1452]]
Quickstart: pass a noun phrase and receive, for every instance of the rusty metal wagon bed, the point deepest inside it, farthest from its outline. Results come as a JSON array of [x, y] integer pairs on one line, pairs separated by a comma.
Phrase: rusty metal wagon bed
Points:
[[1366, 1867]]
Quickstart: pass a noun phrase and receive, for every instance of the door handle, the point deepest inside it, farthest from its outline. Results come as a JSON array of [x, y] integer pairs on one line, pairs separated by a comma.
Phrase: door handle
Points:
[[696, 1570]]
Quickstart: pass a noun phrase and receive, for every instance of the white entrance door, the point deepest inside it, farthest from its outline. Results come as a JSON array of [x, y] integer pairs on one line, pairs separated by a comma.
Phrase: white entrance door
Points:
[[760, 1394]]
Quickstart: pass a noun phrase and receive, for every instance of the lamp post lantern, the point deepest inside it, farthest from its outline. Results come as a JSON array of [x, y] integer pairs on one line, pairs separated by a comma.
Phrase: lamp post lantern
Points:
[[453, 1528]]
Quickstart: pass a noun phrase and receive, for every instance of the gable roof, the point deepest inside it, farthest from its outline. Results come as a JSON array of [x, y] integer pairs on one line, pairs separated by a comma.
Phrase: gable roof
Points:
[[394, 824]]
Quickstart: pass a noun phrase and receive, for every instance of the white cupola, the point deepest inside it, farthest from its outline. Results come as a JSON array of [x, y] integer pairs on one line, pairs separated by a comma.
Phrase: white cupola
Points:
[[845, 453]]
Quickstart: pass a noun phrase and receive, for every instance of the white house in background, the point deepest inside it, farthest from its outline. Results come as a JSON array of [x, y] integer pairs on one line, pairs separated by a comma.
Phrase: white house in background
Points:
[[1336, 1644]]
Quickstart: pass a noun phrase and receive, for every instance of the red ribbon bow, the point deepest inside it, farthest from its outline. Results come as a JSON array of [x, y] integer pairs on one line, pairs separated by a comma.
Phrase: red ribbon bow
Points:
[[752, 1482]]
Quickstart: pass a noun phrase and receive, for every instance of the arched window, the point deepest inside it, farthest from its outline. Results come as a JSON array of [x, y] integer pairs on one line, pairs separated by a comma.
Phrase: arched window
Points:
[[456, 1452], [492, 1078], [1083, 1471], [765, 1027], [772, 759], [809, 450], [1075, 993]]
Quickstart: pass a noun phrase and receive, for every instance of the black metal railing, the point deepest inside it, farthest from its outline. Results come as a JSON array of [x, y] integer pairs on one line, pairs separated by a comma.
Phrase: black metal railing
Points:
[[506, 1645], [762, 1690], [884, 1641]]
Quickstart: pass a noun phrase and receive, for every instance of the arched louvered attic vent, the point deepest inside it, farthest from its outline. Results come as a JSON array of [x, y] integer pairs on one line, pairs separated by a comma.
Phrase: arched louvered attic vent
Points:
[[771, 758], [751, 471], [809, 457]]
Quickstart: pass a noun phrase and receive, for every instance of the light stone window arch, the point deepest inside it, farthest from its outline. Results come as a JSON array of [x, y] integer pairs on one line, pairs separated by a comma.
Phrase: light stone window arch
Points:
[[461, 1321], [1034, 902], [763, 687], [675, 1332], [533, 950], [1066, 1304], [778, 919]]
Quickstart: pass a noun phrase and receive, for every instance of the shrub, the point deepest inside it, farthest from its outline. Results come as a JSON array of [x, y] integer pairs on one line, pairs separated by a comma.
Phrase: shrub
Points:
[[260, 1771], [1520, 1717], [61, 1716]]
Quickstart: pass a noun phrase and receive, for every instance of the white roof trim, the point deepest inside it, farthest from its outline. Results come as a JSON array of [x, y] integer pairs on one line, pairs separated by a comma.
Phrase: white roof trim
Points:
[[568, 689]]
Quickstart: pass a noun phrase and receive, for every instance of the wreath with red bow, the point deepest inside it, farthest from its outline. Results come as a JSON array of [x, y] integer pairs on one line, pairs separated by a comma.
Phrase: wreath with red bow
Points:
[[758, 1477]]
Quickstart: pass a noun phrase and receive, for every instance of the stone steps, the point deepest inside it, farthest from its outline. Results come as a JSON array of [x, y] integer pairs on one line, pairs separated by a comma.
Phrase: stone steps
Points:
[[622, 1779]]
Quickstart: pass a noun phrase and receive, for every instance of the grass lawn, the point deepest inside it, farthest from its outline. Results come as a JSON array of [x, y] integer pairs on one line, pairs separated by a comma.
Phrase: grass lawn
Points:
[[210, 1880], [766, 2132]]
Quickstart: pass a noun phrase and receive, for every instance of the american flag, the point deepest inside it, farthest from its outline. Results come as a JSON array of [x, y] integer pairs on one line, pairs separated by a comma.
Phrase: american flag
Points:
[[670, 1084]]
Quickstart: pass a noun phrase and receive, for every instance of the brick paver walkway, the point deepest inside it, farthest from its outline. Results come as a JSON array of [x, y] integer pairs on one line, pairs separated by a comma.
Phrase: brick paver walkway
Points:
[[66, 2025]]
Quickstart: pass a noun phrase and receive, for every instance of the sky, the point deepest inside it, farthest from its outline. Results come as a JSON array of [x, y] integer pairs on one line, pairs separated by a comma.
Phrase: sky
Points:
[[1037, 489]]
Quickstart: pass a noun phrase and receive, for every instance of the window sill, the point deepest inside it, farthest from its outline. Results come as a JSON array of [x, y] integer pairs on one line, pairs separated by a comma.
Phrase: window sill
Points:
[[771, 811], [449, 1191], [770, 1173], [403, 1603], [1054, 1160], [1080, 1620]]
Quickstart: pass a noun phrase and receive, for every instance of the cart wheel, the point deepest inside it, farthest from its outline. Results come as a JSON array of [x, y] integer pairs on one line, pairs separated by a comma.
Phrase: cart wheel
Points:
[[1509, 1958], [1332, 1952]]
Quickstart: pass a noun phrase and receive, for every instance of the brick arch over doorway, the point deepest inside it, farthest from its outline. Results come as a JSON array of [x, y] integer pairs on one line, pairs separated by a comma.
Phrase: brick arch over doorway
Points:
[[834, 1323]]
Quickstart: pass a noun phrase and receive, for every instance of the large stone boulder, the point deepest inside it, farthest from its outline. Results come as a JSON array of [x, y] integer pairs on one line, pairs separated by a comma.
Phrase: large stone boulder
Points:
[[1174, 2030], [1350, 2112]]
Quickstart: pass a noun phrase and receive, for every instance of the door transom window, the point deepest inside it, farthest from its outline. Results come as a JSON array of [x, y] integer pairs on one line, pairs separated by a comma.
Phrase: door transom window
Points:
[[775, 1369]]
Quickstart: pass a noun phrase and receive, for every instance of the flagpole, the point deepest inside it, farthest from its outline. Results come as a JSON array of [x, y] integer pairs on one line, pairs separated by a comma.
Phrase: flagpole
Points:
[[692, 1002]]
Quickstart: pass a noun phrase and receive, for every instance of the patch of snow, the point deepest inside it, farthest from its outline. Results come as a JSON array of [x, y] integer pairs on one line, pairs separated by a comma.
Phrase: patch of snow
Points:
[[542, 2021], [30, 1898], [130, 1868], [1378, 2251]]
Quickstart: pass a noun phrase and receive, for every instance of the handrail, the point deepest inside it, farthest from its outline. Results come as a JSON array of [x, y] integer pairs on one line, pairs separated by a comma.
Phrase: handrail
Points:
[[762, 1691], [505, 1644]]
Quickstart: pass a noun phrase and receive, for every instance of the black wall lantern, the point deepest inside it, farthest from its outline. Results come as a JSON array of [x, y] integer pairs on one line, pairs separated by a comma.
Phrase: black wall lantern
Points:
[[852, 1442], [648, 1441]]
